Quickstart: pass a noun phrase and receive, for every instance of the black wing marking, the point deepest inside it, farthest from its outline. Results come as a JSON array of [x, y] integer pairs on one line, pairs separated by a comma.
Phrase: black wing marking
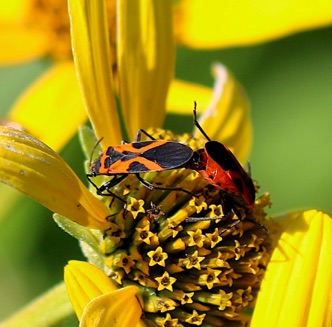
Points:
[[169, 155]]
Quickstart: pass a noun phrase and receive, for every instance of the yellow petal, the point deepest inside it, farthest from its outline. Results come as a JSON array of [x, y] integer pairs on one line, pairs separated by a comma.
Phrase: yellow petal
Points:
[[146, 61], [19, 40], [19, 44], [229, 23], [84, 282], [296, 290], [14, 11], [91, 49], [227, 119], [182, 94], [45, 108], [119, 308], [96, 300], [37, 171]]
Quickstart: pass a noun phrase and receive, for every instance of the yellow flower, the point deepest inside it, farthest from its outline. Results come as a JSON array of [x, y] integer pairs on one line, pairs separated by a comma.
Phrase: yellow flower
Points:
[[183, 288], [32, 29], [99, 93]]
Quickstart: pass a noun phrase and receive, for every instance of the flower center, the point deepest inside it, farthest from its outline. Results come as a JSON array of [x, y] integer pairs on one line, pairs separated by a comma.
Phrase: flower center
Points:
[[51, 16], [205, 269]]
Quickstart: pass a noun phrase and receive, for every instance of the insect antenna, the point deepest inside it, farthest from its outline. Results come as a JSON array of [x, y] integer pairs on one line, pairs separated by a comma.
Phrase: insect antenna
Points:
[[249, 168], [94, 149], [196, 123]]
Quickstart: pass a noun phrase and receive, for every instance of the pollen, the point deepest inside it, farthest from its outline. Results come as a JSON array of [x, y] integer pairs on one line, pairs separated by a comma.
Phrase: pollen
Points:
[[225, 300], [209, 277], [124, 261], [168, 321], [243, 297], [214, 238], [195, 318], [196, 238], [191, 261], [157, 257], [135, 207], [165, 282], [198, 203]]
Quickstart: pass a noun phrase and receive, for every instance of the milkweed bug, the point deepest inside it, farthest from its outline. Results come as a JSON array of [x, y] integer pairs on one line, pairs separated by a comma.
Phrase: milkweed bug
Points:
[[136, 158], [218, 165], [215, 163]]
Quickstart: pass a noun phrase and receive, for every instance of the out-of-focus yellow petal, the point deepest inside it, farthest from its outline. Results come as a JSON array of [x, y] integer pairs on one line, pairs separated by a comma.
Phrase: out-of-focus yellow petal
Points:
[[146, 61], [230, 23], [19, 43], [181, 97], [52, 108], [227, 118], [37, 171], [85, 282], [296, 290], [91, 49], [14, 11], [119, 308]]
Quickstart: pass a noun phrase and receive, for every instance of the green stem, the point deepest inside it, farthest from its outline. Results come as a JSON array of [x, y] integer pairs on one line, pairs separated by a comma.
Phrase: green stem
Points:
[[46, 310]]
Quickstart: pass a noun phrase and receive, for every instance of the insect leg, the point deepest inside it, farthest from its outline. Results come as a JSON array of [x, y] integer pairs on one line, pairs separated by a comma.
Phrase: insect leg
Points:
[[155, 187], [140, 131], [107, 185], [238, 214]]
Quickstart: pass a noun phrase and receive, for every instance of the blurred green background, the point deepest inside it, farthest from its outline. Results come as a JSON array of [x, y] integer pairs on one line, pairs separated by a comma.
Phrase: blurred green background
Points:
[[289, 82]]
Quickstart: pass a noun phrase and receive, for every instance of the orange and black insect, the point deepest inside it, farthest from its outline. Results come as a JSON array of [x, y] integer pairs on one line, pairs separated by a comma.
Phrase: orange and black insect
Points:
[[136, 158], [215, 163], [218, 165]]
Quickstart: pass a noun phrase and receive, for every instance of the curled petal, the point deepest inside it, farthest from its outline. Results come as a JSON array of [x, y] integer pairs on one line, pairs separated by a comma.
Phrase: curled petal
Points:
[[92, 56], [296, 288], [96, 300], [49, 92], [146, 61], [227, 119], [37, 171], [229, 23], [85, 282], [181, 96]]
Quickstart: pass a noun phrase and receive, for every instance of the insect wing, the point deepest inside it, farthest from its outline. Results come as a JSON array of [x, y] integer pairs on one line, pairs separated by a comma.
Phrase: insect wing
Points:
[[141, 157]]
